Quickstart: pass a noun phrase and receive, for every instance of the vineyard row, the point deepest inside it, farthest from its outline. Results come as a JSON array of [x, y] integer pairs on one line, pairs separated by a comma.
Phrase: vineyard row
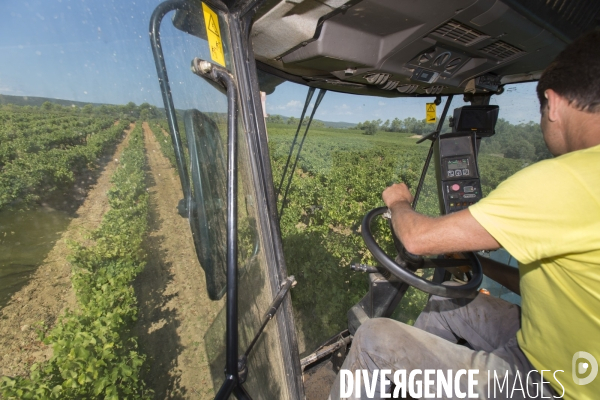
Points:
[[41, 159], [95, 354]]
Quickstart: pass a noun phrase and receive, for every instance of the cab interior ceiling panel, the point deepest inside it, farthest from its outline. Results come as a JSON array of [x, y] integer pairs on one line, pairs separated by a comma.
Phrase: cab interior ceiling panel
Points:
[[397, 48]]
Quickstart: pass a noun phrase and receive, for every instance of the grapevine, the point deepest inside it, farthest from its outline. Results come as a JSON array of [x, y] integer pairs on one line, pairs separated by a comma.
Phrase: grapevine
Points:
[[95, 354]]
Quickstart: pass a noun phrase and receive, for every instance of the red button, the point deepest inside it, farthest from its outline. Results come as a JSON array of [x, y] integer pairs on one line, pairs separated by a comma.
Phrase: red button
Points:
[[455, 187]]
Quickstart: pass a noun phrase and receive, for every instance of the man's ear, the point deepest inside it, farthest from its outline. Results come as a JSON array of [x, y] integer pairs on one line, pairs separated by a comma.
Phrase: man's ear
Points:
[[555, 104]]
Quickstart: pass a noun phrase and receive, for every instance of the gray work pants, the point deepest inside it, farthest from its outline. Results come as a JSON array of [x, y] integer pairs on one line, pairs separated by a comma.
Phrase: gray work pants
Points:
[[487, 324]]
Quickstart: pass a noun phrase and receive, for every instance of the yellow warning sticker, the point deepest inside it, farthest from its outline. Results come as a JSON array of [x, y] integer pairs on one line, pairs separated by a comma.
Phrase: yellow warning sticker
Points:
[[431, 116], [213, 32]]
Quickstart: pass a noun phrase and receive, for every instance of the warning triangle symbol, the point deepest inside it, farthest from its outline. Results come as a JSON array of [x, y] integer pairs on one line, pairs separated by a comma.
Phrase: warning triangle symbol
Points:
[[430, 108], [212, 26]]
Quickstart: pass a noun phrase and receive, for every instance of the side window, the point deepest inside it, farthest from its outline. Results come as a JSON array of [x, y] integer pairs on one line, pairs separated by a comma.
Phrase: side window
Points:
[[341, 171], [339, 177], [89, 220]]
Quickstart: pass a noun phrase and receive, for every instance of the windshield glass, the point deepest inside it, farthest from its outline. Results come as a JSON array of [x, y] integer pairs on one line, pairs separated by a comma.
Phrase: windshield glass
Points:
[[357, 146]]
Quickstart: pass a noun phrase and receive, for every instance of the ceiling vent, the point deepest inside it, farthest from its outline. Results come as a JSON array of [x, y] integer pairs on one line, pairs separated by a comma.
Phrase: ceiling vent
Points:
[[407, 88], [502, 51], [434, 89], [377, 79], [390, 85], [459, 33]]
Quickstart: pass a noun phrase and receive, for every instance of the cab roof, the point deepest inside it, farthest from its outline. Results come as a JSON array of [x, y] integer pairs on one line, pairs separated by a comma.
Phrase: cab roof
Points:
[[394, 48]]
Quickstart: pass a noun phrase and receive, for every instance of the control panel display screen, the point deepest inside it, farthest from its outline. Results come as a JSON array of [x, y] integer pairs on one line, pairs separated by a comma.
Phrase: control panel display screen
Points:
[[479, 119], [475, 121], [458, 164]]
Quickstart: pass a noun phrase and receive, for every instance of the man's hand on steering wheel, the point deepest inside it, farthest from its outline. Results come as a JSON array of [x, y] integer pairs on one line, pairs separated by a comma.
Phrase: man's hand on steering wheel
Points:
[[419, 234], [398, 192], [423, 235]]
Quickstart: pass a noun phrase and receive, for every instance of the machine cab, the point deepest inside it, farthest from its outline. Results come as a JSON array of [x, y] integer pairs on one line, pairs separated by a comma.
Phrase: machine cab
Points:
[[283, 121], [273, 205]]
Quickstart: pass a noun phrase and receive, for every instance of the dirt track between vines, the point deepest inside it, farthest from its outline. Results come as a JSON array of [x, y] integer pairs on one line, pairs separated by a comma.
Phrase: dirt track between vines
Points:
[[49, 292], [174, 308]]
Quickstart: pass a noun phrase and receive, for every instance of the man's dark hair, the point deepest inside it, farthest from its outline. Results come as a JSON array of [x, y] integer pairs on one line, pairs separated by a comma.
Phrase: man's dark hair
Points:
[[575, 74]]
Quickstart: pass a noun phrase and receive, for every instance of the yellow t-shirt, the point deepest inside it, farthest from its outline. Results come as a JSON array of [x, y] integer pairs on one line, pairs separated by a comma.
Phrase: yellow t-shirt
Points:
[[547, 216]]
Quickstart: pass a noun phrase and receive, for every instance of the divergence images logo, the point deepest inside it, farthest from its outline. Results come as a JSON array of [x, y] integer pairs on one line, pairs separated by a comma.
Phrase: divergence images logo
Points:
[[581, 367]]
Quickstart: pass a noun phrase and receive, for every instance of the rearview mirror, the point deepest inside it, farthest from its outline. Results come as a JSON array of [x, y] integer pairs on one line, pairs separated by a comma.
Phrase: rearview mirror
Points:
[[190, 21], [207, 205]]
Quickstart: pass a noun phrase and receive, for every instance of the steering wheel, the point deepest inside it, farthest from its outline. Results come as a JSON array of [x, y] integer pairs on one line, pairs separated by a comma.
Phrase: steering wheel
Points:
[[402, 272]]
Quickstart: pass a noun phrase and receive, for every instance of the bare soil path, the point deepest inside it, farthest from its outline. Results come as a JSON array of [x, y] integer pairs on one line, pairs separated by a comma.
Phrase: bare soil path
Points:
[[49, 292], [175, 310]]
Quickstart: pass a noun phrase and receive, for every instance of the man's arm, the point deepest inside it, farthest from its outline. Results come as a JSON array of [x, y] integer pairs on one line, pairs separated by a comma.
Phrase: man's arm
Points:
[[424, 235]]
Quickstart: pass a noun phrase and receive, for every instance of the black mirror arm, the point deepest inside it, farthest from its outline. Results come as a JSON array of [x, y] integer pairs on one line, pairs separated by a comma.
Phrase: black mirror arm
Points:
[[165, 89], [224, 78]]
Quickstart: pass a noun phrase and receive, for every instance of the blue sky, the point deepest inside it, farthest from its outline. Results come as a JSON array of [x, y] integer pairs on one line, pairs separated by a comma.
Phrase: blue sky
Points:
[[99, 52], [89, 51], [76, 50]]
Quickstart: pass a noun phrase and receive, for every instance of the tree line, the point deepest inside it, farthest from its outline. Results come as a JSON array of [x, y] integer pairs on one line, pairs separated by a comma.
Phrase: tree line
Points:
[[522, 141], [278, 119], [406, 125]]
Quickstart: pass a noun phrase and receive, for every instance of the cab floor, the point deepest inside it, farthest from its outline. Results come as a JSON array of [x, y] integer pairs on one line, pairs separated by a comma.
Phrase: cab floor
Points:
[[318, 381]]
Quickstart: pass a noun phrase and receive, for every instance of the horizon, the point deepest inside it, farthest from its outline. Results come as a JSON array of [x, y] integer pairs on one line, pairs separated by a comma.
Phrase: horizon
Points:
[[161, 107]]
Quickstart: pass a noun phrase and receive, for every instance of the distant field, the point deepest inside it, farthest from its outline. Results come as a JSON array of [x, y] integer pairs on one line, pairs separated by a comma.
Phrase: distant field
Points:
[[350, 136], [320, 143]]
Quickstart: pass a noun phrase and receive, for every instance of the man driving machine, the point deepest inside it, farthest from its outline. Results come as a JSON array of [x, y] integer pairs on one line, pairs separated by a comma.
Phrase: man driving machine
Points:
[[547, 216]]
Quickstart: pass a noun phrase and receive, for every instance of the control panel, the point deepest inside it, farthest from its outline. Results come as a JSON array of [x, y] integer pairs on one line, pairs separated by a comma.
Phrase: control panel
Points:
[[461, 194], [457, 171]]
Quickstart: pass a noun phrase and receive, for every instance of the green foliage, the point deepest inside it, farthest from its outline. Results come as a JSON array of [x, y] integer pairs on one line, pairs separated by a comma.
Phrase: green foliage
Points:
[[87, 109], [41, 152], [340, 177], [160, 129], [274, 119], [148, 111], [522, 141], [407, 125], [278, 119], [371, 127], [130, 110], [95, 354], [320, 228]]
